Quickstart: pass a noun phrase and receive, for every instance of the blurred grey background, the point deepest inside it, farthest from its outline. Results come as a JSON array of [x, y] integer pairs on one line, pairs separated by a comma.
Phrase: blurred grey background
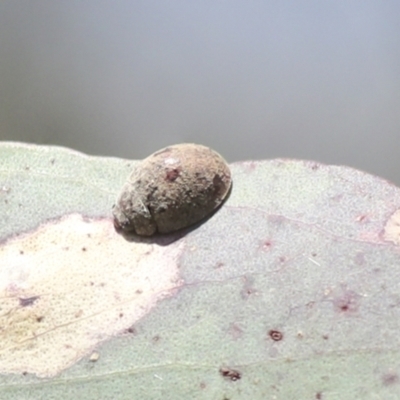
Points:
[[315, 80]]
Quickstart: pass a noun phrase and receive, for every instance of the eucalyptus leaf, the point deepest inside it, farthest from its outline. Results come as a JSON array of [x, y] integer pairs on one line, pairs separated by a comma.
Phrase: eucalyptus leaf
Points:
[[291, 290]]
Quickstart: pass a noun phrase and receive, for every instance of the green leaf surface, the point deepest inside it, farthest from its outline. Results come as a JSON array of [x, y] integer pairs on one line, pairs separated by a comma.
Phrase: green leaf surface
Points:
[[290, 291]]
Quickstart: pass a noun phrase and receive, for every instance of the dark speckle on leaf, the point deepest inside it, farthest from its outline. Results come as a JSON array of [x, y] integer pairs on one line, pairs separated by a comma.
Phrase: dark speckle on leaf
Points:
[[27, 301], [230, 374], [346, 301], [390, 378], [275, 335]]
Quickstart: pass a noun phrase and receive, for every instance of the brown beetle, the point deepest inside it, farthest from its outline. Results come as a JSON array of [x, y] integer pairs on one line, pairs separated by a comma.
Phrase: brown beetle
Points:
[[172, 189]]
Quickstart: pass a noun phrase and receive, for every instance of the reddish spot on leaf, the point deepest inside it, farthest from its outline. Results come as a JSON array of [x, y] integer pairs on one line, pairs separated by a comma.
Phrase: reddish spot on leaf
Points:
[[362, 218], [314, 167], [219, 265], [131, 330], [359, 259], [275, 335], [230, 374], [156, 339], [249, 166], [248, 288], [347, 302], [266, 245], [390, 378], [236, 331]]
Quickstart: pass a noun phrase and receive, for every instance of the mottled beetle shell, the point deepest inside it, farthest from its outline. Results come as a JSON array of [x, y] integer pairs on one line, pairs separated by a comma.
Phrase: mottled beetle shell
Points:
[[172, 189]]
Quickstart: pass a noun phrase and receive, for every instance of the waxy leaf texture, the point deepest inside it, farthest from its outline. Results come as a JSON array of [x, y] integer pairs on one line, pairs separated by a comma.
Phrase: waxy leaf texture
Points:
[[291, 290]]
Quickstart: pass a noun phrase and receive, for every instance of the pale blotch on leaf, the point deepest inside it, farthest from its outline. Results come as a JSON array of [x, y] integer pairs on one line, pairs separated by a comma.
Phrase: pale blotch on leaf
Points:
[[392, 228], [71, 284]]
